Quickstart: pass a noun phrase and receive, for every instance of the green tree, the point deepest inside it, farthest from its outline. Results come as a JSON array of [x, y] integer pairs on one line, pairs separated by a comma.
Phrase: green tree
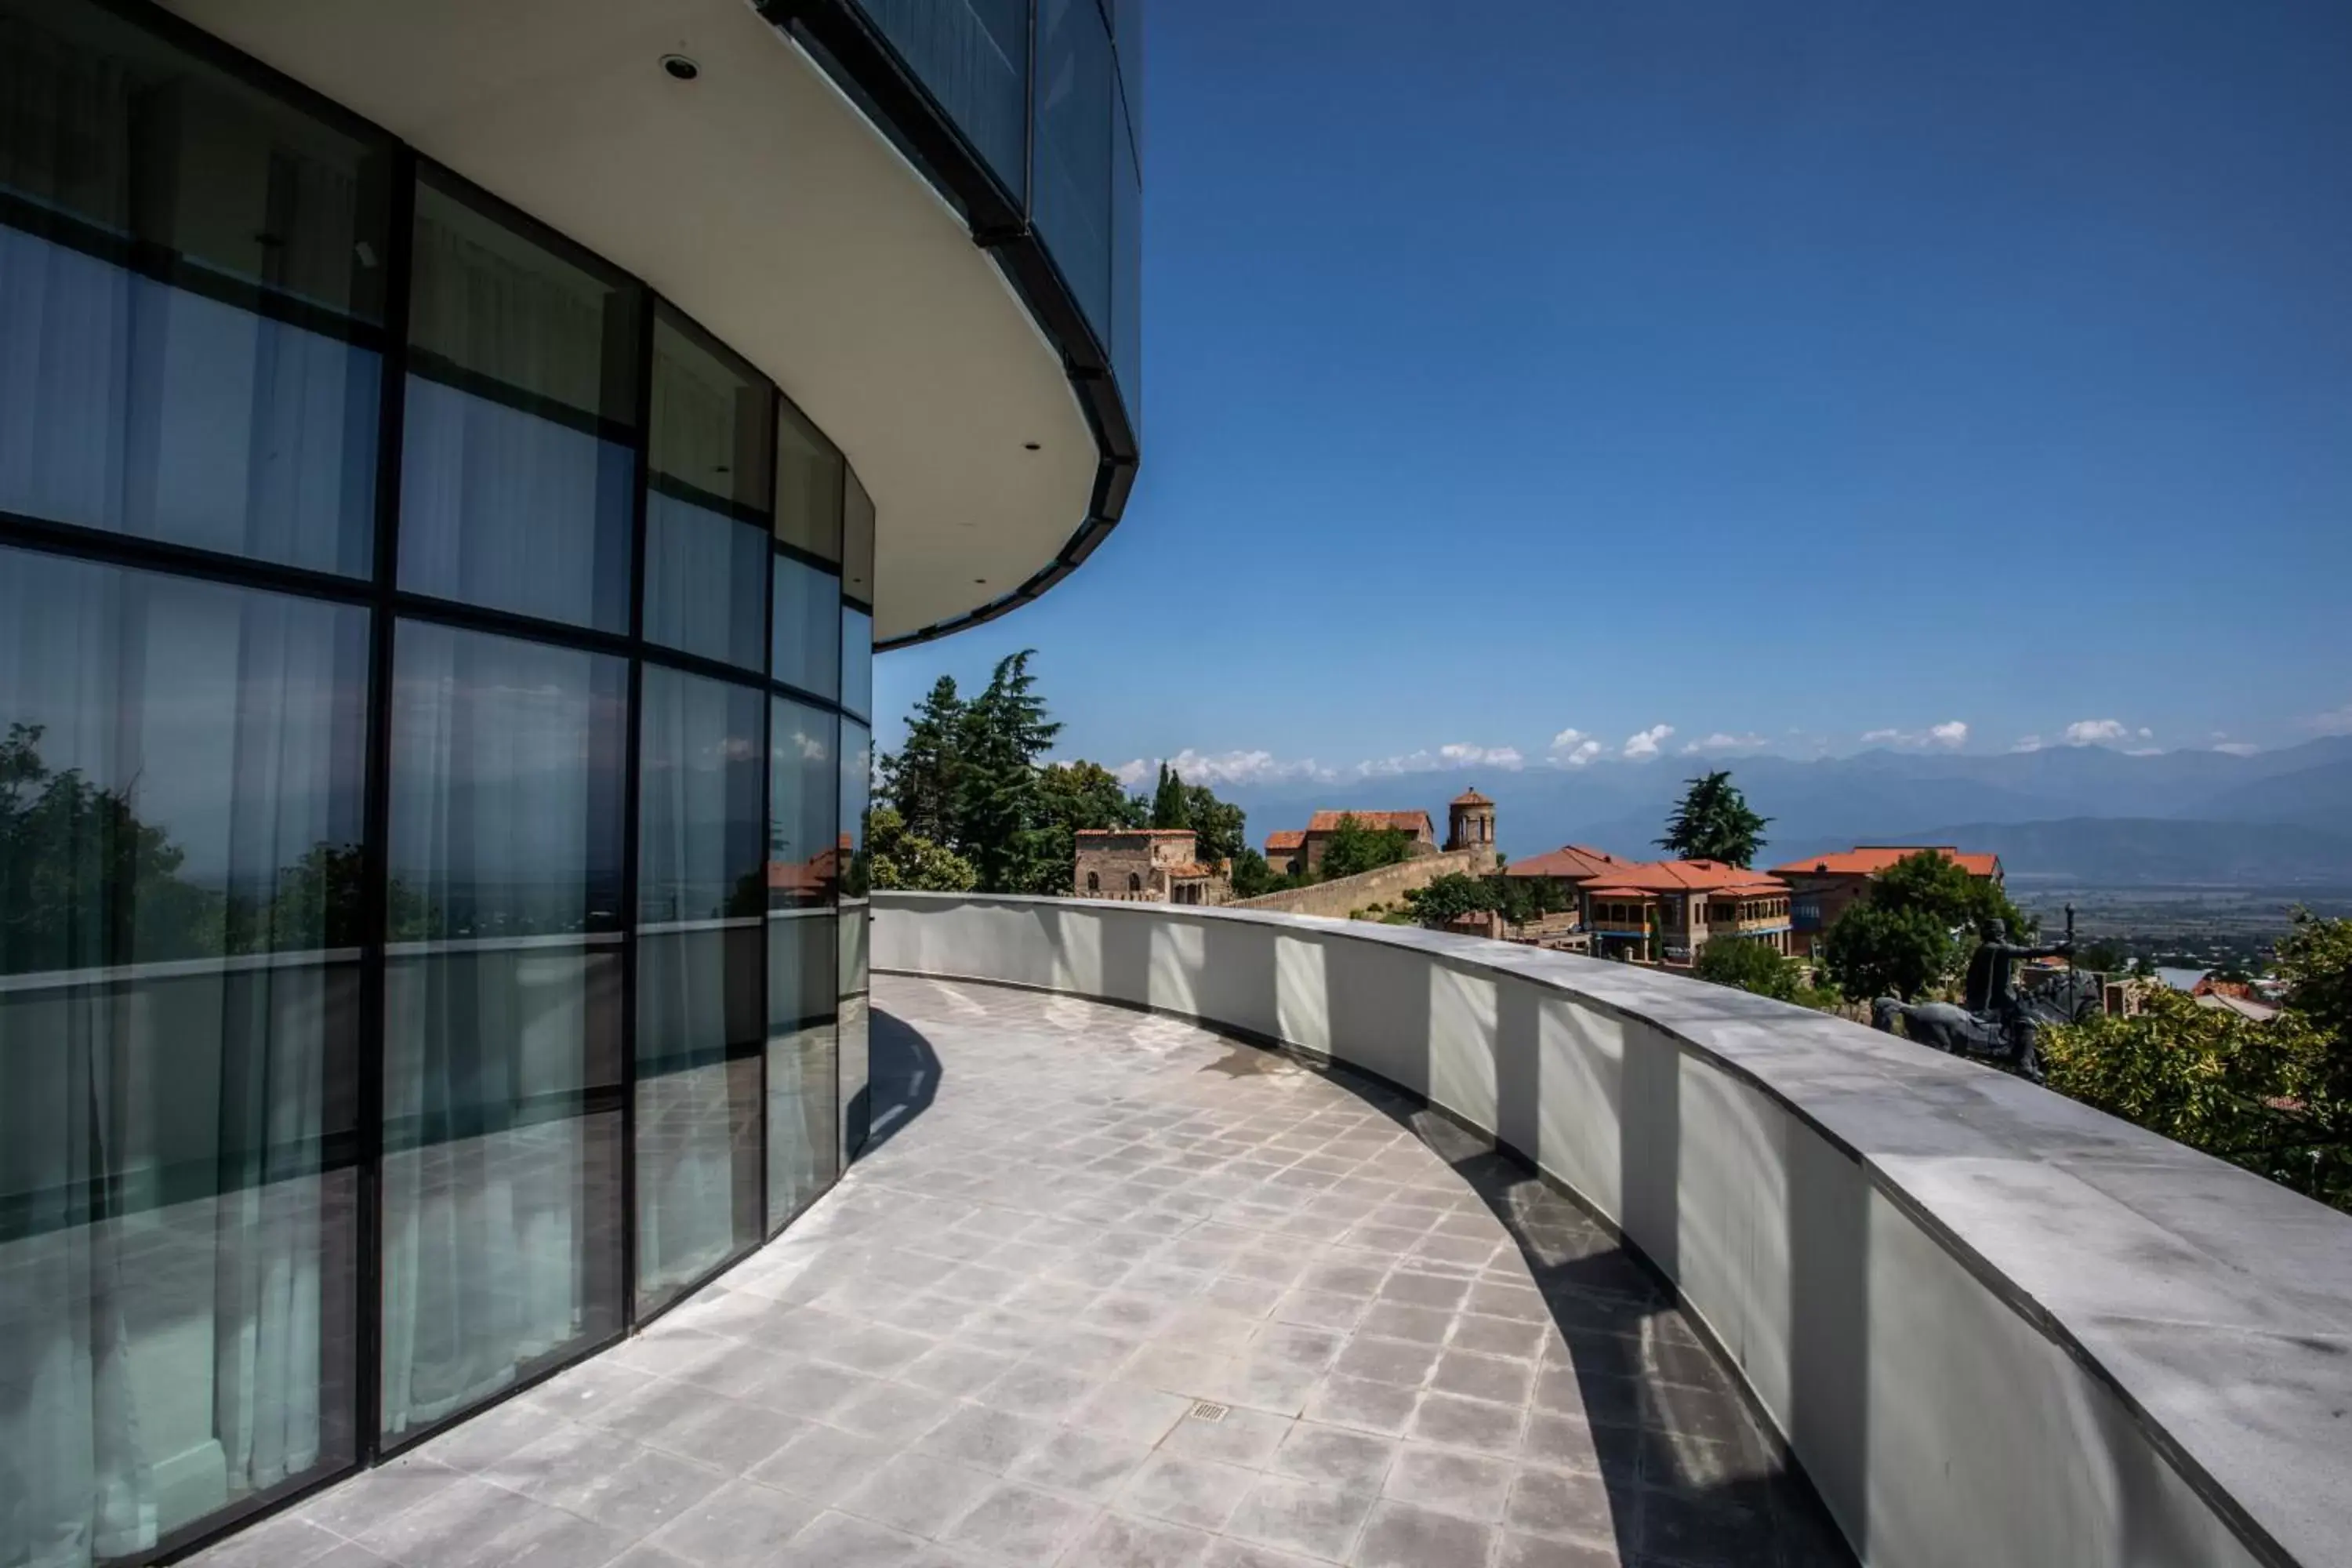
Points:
[[1713, 823], [899, 858], [1873, 952], [2314, 959], [1220, 826], [1942, 888], [2104, 956], [83, 882], [2262, 1095], [999, 822], [1167, 801], [1448, 898], [1252, 876], [1353, 847], [1073, 796], [922, 781], [1749, 966]]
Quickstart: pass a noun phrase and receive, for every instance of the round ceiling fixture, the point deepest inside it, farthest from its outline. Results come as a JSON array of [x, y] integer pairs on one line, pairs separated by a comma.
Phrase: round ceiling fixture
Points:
[[1030, 446], [681, 68]]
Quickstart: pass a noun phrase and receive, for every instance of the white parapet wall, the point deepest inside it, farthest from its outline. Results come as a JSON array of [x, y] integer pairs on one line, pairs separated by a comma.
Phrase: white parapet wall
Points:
[[1998, 1329]]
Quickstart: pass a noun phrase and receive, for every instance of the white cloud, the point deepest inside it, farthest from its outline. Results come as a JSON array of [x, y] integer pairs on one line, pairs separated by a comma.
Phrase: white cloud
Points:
[[2091, 731], [2145, 752], [1643, 745], [2238, 748], [1574, 748], [1445, 759], [2027, 744], [2145, 733], [1257, 767], [1952, 733], [2334, 721], [1222, 767], [1719, 741]]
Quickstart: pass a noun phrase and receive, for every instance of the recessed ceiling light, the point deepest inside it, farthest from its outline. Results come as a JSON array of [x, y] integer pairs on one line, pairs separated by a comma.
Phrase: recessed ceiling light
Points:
[[681, 67], [1030, 445]]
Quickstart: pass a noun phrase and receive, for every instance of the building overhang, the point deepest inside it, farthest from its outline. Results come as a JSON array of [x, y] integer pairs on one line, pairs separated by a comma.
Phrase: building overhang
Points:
[[763, 202]]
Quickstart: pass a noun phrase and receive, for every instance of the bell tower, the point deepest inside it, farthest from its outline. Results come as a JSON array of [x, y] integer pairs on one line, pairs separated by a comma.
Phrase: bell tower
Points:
[[1470, 822]]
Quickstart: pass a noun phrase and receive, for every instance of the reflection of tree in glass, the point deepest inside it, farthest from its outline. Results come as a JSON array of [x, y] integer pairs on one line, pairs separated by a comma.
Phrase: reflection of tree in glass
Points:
[[84, 883]]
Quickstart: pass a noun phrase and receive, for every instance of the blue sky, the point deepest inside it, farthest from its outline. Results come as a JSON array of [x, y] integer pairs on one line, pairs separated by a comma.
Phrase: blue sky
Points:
[[1797, 378]]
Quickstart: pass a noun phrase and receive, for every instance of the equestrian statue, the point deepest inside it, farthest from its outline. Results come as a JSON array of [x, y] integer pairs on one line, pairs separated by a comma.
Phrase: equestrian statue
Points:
[[1995, 1022]]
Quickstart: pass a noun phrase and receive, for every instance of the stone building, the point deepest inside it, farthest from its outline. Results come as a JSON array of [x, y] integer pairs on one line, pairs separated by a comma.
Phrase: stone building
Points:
[[1662, 912], [1470, 822], [1292, 851], [1147, 865]]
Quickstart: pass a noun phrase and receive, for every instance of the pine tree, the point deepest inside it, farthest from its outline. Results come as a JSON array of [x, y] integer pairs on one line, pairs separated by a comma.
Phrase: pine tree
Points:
[[1713, 823], [922, 781], [999, 817]]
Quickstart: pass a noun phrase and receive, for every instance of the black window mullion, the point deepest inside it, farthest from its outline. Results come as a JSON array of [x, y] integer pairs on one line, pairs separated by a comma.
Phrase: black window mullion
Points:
[[375, 897], [632, 801]]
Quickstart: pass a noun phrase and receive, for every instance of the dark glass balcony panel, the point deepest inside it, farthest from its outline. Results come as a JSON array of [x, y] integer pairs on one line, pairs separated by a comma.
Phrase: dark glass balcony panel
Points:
[[972, 56], [1070, 199]]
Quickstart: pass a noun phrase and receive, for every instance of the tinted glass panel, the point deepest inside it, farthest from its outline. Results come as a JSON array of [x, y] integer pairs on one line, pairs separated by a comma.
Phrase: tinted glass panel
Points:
[[804, 1149], [806, 647], [809, 478], [516, 461], [857, 790], [181, 783], [707, 509], [191, 295], [1127, 278], [973, 56], [501, 1165], [857, 544], [1070, 200], [856, 661], [856, 787], [803, 850], [701, 1026]]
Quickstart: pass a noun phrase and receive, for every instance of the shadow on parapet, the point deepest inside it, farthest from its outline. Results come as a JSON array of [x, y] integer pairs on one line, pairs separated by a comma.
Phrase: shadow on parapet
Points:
[[1691, 1477], [902, 1076]]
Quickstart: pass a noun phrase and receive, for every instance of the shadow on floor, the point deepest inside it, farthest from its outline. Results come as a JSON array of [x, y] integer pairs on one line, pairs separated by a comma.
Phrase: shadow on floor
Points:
[[1692, 1476], [902, 1077]]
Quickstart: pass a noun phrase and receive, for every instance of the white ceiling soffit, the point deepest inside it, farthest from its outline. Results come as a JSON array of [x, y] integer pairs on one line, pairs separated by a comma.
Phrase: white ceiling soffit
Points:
[[761, 202]]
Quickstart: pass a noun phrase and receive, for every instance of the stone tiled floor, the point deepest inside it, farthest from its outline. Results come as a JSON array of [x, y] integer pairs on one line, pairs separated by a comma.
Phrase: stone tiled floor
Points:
[[992, 1344]]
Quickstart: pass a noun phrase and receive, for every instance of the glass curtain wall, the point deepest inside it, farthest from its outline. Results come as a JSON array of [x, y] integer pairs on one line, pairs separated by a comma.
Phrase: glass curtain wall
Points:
[[423, 825]]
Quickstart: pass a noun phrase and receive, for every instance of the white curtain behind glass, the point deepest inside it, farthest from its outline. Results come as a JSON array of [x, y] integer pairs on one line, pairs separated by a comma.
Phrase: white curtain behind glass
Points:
[[487, 1179], [165, 1359]]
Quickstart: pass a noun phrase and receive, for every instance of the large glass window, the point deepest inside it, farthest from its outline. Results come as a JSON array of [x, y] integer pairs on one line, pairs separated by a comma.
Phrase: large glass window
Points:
[[700, 899], [806, 650], [706, 498], [810, 476], [973, 56], [181, 784], [191, 285], [1070, 189], [856, 788], [803, 859], [516, 460], [501, 1134], [856, 661]]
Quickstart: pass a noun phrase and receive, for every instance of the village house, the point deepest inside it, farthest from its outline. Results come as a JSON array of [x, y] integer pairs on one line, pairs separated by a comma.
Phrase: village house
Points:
[[1823, 886]]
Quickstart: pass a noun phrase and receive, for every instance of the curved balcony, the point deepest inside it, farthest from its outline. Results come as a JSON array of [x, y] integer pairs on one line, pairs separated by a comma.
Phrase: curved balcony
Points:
[[1991, 1326]]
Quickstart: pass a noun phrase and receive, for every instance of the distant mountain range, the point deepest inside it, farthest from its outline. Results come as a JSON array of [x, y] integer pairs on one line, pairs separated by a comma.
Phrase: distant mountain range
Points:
[[2087, 813]]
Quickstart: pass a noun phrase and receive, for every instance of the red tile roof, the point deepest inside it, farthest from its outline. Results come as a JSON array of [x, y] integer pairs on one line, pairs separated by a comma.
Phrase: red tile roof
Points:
[[1403, 821], [1870, 859], [1186, 870], [1287, 838], [1569, 861], [1470, 797]]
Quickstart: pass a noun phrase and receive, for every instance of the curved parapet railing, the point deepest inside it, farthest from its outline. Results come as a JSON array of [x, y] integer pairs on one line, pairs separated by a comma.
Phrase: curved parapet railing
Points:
[[1996, 1327]]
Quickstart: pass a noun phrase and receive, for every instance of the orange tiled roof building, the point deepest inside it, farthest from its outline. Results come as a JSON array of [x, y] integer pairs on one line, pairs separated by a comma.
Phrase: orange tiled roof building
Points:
[[1823, 886]]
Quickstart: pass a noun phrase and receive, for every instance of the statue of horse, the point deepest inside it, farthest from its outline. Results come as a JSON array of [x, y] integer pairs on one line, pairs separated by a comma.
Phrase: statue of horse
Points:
[[1952, 1028]]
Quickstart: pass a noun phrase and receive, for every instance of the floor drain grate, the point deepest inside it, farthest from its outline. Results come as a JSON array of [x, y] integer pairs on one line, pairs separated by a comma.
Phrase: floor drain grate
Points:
[[1208, 1410]]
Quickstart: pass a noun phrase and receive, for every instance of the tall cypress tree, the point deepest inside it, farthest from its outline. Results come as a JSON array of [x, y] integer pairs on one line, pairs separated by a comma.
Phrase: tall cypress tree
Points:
[[1169, 801]]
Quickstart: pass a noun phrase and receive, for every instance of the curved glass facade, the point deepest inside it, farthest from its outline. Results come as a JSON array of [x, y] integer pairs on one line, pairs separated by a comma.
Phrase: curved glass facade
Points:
[[434, 676], [1048, 95]]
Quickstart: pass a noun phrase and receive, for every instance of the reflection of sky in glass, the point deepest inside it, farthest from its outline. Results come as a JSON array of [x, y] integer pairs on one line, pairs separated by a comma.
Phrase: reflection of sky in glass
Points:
[[801, 785]]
